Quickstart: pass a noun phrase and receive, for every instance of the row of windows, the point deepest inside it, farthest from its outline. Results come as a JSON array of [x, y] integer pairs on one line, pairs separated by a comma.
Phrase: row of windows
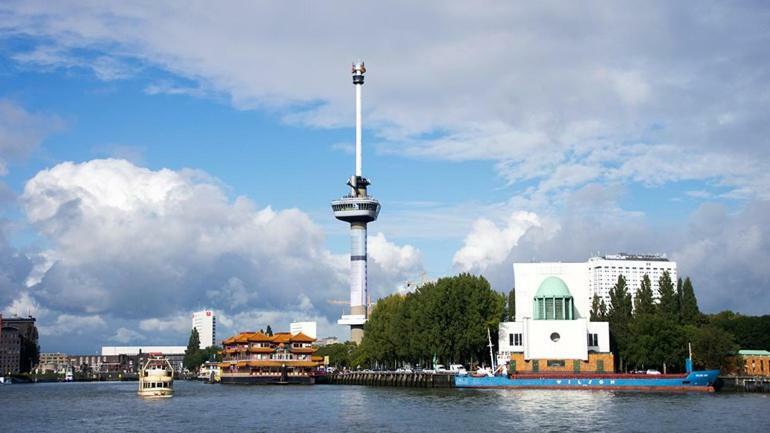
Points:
[[149, 385], [354, 206], [517, 340]]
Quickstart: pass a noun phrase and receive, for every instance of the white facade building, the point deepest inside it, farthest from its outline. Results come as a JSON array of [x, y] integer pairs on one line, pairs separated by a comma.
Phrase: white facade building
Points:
[[603, 273], [206, 323], [552, 318], [307, 328]]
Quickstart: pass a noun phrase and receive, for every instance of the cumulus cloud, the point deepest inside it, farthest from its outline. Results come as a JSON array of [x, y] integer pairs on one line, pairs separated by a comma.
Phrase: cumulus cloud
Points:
[[390, 265], [487, 244], [134, 245]]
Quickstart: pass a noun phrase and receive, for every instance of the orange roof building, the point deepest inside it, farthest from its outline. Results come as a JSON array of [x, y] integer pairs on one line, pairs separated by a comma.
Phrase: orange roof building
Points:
[[254, 357]]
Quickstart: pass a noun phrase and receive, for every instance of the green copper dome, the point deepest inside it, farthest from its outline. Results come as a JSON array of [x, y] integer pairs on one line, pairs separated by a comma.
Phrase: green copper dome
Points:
[[553, 287], [553, 301]]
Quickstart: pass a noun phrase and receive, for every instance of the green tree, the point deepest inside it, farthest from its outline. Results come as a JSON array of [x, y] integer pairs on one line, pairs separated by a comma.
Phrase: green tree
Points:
[[448, 319], [711, 346], [690, 312], [619, 315], [655, 341], [603, 311], [269, 331], [511, 310], [643, 303], [595, 308], [192, 355], [341, 355], [668, 306]]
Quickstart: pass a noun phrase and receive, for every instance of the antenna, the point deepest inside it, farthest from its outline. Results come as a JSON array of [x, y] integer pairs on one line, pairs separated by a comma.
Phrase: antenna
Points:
[[358, 80]]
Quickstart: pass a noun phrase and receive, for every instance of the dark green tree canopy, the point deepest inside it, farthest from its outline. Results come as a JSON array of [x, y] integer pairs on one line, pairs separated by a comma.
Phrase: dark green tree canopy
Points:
[[644, 304], [447, 319]]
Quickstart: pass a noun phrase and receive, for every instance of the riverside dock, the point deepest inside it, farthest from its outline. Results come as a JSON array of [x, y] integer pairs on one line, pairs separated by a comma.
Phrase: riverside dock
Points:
[[389, 378], [745, 383]]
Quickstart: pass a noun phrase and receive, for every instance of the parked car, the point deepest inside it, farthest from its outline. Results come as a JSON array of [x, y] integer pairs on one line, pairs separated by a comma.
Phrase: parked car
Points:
[[653, 372]]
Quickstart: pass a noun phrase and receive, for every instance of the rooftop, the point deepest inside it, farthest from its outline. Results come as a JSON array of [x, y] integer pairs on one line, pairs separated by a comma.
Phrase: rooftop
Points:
[[640, 257]]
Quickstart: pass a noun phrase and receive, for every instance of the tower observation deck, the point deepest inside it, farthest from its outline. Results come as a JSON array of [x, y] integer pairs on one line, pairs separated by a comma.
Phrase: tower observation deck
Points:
[[358, 209]]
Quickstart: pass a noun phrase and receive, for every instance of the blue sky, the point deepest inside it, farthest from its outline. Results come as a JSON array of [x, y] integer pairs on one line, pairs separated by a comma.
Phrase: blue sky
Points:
[[156, 152]]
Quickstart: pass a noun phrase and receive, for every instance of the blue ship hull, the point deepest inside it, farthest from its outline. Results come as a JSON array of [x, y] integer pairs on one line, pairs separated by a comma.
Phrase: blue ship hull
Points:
[[694, 381]]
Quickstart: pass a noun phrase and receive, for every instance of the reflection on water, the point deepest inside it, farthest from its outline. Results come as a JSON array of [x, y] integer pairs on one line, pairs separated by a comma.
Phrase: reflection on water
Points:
[[198, 407]]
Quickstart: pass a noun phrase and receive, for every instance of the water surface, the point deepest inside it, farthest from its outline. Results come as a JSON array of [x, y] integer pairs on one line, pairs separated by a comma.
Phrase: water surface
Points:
[[199, 407]]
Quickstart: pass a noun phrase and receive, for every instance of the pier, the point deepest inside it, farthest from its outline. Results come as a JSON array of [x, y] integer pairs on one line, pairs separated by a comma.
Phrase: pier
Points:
[[389, 378], [745, 383]]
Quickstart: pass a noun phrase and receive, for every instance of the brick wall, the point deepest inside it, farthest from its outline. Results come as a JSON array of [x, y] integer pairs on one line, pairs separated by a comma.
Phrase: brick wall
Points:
[[597, 362], [756, 365]]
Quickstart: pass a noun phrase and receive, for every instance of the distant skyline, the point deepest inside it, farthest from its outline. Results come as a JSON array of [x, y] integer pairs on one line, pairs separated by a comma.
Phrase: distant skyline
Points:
[[160, 158]]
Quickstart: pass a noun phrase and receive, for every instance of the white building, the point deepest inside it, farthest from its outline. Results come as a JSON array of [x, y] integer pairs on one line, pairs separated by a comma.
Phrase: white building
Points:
[[307, 328], [206, 323], [603, 273], [552, 331]]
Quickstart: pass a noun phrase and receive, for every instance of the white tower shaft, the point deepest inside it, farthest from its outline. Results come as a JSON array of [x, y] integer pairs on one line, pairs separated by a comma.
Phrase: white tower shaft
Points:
[[358, 129]]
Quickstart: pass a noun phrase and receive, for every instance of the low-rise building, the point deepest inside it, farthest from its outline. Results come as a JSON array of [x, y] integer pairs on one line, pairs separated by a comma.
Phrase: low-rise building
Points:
[[254, 357], [755, 362], [552, 330]]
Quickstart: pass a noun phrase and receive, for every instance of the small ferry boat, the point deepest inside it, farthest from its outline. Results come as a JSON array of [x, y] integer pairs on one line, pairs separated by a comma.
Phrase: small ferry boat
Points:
[[156, 378]]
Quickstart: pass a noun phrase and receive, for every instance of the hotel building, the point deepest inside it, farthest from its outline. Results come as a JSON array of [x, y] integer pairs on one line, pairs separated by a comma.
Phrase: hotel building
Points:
[[603, 272], [257, 358], [206, 323]]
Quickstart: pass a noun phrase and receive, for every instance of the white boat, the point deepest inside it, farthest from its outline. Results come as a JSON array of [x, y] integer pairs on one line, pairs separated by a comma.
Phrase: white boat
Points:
[[156, 378], [5, 380]]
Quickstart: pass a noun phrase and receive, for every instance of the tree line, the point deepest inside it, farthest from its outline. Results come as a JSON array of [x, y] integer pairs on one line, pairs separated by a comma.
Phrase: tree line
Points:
[[654, 333], [446, 320]]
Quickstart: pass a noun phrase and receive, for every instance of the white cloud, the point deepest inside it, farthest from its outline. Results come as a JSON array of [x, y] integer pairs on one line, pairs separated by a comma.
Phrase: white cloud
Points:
[[607, 91], [487, 244], [69, 324], [128, 243], [179, 323], [125, 335]]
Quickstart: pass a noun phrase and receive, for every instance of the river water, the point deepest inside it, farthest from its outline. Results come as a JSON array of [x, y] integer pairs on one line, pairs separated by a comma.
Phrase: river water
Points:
[[199, 407]]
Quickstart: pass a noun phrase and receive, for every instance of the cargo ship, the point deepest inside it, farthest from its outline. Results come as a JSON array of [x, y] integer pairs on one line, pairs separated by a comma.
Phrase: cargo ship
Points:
[[691, 381]]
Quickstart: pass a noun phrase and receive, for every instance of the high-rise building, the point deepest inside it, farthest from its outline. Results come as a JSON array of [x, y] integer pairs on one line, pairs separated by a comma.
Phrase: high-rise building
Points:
[[603, 272], [358, 209], [206, 323]]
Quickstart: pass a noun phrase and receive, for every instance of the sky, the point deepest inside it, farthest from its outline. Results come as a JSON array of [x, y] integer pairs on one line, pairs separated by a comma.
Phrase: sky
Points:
[[157, 158]]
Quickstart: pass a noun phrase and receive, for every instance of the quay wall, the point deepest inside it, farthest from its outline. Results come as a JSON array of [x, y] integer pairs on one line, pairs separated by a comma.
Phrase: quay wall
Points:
[[406, 380], [744, 384]]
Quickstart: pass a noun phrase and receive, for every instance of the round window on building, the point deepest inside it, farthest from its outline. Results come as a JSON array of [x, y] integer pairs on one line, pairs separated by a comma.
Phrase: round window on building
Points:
[[555, 337]]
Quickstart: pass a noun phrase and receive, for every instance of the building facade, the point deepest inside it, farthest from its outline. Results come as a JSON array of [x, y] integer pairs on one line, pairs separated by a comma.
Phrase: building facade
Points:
[[603, 272], [10, 350], [755, 362], [19, 349], [552, 330], [206, 323], [257, 358], [135, 355]]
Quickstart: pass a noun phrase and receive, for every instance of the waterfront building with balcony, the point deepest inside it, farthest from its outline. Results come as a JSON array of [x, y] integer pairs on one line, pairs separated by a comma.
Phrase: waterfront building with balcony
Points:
[[257, 358]]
